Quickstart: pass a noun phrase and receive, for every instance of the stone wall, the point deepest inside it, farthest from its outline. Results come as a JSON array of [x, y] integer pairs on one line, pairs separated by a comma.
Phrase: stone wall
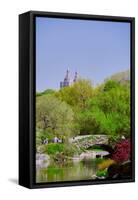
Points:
[[90, 140]]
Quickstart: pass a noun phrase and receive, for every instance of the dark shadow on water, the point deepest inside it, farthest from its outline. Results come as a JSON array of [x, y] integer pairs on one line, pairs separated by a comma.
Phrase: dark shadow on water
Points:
[[13, 180]]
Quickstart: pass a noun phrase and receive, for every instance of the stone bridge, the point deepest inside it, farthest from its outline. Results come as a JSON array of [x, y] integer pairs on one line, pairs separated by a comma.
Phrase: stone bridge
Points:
[[87, 141]]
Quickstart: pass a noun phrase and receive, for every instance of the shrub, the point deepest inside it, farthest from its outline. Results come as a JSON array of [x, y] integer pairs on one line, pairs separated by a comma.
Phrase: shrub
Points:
[[102, 173], [53, 148], [122, 151], [113, 139], [41, 135], [70, 150], [105, 164]]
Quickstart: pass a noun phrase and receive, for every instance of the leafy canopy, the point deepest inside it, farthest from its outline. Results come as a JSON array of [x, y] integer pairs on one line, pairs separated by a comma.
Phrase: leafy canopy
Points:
[[54, 116]]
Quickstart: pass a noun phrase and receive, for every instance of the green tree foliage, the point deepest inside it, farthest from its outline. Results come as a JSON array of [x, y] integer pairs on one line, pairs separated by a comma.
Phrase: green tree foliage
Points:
[[46, 92], [110, 109], [83, 109], [77, 94], [86, 122], [54, 116]]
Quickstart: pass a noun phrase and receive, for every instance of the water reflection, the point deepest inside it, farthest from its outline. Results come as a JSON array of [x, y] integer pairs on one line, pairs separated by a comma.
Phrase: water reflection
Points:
[[83, 170]]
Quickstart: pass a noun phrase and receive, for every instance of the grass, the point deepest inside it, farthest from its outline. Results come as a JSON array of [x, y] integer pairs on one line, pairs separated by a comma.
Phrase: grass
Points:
[[96, 148], [52, 148]]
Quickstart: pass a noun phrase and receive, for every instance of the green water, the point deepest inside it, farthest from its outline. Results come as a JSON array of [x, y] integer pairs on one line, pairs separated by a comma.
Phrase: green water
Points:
[[83, 170]]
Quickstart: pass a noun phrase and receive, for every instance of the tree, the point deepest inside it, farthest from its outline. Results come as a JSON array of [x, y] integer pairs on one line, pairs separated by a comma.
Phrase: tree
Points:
[[86, 122], [77, 94], [46, 92], [110, 110], [54, 116]]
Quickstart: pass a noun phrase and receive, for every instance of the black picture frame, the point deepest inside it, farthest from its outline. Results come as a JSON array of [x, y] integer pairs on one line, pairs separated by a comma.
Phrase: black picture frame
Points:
[[27, 85]]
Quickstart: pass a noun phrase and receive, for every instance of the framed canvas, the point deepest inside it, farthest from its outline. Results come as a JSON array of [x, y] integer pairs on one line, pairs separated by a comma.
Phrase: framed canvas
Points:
[[76, 99]]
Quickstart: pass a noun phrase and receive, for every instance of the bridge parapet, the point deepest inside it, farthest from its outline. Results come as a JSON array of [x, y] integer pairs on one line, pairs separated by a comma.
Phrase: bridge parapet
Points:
[[87, 141]]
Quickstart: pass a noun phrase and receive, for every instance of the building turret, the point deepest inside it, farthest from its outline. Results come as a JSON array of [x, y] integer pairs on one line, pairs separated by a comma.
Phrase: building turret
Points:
[[67, 76], [76, 77], [67, 81]]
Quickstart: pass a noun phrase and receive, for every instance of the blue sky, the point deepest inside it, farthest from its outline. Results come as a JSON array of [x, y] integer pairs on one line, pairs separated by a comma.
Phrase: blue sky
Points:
[[95, 49]]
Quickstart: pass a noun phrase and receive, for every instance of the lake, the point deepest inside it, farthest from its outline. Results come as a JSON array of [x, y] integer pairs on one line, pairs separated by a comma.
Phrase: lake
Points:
[[82, 170]]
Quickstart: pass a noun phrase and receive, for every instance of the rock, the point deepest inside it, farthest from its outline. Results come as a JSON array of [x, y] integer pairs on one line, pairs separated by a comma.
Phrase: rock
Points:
[[42, 160]]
